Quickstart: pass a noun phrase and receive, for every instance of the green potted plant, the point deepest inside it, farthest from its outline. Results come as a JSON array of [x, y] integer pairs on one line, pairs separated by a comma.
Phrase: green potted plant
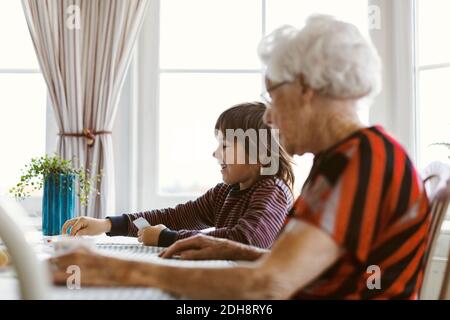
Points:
[[58, 177]]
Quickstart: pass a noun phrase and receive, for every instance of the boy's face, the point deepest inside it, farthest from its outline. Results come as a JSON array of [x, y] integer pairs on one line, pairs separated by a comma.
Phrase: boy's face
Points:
[[235, 168]]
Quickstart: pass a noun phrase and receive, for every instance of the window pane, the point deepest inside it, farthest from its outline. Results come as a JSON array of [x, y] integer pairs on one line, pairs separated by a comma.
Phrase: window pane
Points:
[[432, 16], [189, 107], [210, 34], [302, 166], [17, 49], [434, 115], [295, 12], [22, 124]]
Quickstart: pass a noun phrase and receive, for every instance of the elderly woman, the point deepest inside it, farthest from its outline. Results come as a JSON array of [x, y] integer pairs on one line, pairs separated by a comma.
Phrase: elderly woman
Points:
[[359, 227]]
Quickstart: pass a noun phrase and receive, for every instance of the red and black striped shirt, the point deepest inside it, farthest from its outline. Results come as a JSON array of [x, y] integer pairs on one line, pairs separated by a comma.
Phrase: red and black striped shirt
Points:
[[366, 194], [252, 216]]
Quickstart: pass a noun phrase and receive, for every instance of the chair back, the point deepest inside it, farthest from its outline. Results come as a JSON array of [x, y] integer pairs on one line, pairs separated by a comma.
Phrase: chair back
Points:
[[437, 185], [33, 276]]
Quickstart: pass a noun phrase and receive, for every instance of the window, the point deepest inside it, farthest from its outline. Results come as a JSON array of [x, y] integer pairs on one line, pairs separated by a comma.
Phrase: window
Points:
[[22, 96], [208, 62], [432, 72]]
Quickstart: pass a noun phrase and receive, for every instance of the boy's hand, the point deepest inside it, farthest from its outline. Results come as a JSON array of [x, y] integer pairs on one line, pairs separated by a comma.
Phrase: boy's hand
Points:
[[85, 226], [150, 236]]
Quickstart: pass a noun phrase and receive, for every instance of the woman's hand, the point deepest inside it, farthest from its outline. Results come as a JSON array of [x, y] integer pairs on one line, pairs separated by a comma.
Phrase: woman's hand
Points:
[[150, 236], [85, 226], [203, 247], [95, 270]]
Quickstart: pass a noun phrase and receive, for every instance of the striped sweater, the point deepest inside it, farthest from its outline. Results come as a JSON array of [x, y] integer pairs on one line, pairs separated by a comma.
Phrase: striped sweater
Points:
[[252, 216], [366, 194]]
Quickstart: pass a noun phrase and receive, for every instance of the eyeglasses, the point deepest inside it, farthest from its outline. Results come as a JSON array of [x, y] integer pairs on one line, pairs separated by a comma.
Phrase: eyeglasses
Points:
[[266, 94]]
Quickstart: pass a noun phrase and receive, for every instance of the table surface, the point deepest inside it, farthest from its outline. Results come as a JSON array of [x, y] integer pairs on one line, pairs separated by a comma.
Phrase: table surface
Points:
[[121, 247]]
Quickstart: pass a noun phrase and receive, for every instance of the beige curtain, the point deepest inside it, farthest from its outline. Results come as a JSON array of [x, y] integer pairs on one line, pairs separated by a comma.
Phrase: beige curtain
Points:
[[84, 48]]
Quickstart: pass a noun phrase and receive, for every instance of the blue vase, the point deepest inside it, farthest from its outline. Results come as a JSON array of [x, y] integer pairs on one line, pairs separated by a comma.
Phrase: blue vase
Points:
[[58, 203]]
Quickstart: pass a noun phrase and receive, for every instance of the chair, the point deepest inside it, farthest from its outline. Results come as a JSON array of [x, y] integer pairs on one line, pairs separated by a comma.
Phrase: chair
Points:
[[33, 277], [437, 185]]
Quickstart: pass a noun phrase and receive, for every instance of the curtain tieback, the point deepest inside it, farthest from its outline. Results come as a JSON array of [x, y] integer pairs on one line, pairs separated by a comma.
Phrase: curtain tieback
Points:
[[87, 134]]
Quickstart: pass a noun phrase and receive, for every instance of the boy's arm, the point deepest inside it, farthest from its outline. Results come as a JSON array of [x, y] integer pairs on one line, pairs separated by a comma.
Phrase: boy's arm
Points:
[[197, 214], [259, 225]]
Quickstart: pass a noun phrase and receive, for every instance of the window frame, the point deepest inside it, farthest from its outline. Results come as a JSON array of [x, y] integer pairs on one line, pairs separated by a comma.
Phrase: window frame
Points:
[[395, 107], [33, 204], [148, 141], [419, 68], [148, 107]]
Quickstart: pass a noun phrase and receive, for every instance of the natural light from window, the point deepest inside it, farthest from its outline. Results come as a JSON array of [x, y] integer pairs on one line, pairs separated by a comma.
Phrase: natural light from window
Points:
[[433, 72], [208, 63], [22, 96]]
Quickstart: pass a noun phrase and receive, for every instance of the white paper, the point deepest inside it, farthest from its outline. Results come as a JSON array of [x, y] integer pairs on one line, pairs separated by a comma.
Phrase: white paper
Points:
[[141, 223]]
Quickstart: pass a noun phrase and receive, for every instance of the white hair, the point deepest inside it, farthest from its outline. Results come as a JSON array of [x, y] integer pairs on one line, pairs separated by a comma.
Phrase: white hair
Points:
[[333, 57]]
